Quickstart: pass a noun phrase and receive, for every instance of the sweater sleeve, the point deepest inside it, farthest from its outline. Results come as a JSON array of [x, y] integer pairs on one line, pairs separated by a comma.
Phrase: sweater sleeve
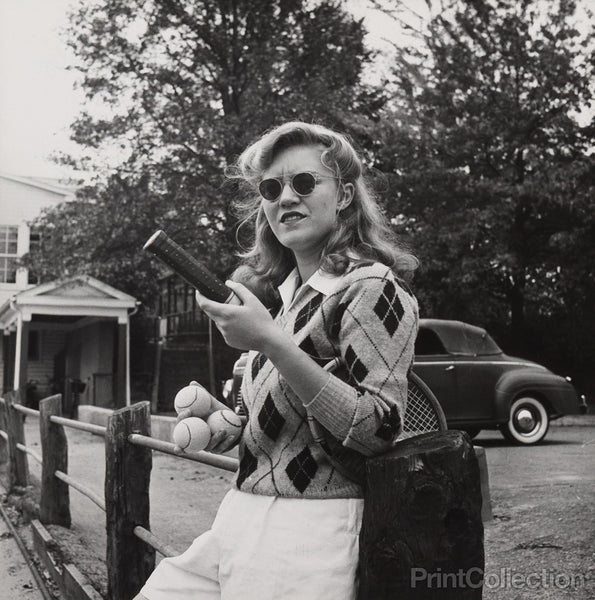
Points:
[[375, 325]]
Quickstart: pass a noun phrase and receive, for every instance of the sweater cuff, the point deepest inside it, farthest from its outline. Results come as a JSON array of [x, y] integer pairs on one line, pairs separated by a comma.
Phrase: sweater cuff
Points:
[[334, 406]]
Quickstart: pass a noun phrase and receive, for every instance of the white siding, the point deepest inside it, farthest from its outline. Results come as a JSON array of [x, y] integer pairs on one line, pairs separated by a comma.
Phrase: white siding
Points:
[[19, 203]]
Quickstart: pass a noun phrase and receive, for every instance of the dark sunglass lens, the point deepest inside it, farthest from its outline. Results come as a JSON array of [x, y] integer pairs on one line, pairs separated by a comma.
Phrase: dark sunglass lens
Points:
[[304, 183], [269, 189]]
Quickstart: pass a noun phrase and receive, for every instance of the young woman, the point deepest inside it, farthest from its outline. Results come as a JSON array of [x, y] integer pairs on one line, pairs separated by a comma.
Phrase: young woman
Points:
[[330, 325]]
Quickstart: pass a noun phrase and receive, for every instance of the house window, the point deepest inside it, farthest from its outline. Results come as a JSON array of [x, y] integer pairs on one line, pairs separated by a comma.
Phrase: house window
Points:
[[9, 235], [34, 244]]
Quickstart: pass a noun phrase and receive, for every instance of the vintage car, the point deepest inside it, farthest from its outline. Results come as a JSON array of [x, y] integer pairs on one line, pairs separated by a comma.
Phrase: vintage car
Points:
[[478, 386]]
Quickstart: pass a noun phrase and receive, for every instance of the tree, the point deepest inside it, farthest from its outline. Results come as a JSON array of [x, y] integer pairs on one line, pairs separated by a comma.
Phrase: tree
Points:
[[492, 167], [175, 89], [187, 84]]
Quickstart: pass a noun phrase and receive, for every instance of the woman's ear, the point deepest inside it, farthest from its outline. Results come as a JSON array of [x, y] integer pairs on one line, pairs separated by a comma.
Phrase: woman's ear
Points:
[[347, 196]]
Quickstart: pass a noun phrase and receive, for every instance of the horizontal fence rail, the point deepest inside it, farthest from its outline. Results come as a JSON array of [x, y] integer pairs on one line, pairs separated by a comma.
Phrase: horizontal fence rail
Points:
[[30, 452], [26, 410], [215, 460], [81, 426], [149, 538], [83, 489]]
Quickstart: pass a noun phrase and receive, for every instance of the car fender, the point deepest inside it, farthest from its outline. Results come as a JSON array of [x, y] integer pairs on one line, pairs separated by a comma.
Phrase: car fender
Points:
[[559, 395]]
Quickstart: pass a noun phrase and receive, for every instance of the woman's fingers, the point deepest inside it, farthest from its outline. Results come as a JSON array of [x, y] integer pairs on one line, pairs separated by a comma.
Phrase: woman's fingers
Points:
[[183, 414], [212, 308], [241, 291], [221, 443], [216, 439]]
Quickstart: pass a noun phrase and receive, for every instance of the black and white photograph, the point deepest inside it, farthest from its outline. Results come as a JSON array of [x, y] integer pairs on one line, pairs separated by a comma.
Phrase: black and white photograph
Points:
[[297, 299]]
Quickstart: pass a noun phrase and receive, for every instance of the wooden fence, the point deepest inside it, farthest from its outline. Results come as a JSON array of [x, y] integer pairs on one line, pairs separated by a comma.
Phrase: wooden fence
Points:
[[422, 515]]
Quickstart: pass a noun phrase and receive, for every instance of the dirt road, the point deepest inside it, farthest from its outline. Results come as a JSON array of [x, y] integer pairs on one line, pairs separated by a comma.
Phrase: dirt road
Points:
[[16, 579], [541, 542]]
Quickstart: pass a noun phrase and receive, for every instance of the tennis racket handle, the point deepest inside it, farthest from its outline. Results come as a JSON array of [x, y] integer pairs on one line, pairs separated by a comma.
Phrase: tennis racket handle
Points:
[[185, 265]]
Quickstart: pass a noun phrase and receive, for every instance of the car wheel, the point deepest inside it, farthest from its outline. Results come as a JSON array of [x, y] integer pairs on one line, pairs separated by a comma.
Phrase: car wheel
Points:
[[528, 421], [473, 432]]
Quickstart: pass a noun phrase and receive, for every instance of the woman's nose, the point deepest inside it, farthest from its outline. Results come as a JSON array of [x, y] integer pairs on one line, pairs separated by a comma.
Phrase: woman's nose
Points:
[[288, 196]]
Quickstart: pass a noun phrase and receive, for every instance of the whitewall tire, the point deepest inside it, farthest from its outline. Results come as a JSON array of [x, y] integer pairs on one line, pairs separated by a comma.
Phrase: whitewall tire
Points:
[[528, 421]]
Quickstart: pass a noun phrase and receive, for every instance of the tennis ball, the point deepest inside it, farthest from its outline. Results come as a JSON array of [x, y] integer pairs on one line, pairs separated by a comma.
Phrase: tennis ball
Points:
[[225, 420], [192, 434], [194, 398]]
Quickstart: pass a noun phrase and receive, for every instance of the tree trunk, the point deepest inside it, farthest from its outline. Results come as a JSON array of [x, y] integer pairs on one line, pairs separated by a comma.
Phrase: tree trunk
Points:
[[516, 299]]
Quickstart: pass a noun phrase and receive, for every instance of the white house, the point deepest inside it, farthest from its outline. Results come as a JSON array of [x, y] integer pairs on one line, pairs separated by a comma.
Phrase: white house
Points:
[[67, 336], [22, 200]]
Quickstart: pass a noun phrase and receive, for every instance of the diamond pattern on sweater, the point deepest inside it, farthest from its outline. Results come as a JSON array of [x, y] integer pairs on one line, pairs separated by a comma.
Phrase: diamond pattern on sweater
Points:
[[248, 464], [356, 367], [257, 364], [307, 345], [270, 419], [391, 425], [335, 327], [389, 308], [301, 469], [307, 312]]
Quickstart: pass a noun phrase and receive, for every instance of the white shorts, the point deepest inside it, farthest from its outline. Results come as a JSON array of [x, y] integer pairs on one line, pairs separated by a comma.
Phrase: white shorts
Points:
[[268, 548]]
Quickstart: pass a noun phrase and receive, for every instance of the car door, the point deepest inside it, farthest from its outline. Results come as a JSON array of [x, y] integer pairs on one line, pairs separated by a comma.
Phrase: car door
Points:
[[437, 369], [476, 380]]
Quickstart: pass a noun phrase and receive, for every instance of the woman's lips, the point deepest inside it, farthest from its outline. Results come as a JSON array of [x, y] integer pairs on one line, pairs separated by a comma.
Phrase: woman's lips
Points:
[[292, 217]]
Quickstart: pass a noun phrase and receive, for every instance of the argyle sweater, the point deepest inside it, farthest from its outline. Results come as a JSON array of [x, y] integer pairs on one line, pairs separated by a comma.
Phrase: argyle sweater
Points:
[[317, 450]]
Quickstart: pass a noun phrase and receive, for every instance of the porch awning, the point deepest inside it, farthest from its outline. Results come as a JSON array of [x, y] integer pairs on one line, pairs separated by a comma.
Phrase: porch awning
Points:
[[80, 296]]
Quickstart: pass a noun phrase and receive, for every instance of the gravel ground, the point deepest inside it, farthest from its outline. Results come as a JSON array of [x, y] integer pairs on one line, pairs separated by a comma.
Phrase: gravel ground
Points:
[[540, 543]]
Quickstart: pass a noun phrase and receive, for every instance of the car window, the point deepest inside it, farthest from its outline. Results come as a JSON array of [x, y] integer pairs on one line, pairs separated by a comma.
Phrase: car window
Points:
[[428, 342], [470, 341]]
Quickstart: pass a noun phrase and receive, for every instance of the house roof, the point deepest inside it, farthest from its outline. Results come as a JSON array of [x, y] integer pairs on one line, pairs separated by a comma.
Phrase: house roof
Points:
[[50, 185], [82, 296]]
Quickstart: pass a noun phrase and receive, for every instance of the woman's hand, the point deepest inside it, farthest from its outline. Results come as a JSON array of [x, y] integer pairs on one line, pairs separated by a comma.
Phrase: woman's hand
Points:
[[220, 442], [248, 326]]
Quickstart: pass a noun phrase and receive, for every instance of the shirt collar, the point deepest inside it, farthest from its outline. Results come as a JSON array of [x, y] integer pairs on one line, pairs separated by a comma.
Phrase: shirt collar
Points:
[[321, 281]]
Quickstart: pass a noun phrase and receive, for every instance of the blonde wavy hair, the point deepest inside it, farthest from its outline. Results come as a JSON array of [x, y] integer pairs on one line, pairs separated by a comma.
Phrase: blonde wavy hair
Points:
[[362, 232]]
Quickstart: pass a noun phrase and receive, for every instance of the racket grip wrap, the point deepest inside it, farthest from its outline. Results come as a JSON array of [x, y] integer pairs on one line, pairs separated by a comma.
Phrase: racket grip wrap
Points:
[[185, 265]]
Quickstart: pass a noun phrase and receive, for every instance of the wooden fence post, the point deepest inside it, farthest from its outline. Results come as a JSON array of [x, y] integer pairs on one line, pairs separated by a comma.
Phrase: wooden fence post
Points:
[[128, 471], [54, 505], [19, 465], [422, 532], [4, 427]]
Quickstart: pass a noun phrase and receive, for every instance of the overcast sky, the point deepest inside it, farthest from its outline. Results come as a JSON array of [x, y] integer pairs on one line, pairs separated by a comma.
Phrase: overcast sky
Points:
[[37, 100]]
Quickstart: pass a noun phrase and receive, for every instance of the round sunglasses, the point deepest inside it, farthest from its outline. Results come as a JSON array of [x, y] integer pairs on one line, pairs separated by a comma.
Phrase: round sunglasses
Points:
[[303, 184]]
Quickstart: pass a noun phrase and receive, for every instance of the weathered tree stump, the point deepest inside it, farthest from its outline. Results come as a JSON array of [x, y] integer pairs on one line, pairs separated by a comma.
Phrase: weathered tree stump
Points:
[[422, 533], [128, 470], [54, 505]]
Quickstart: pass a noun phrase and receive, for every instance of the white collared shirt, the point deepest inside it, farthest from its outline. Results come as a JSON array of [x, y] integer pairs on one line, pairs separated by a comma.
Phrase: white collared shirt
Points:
[[321, 281]]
